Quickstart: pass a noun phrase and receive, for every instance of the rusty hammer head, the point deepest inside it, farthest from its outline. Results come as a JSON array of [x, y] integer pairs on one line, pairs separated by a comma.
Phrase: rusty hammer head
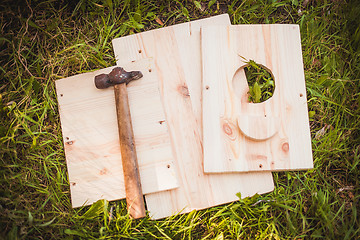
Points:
[[117, 76]]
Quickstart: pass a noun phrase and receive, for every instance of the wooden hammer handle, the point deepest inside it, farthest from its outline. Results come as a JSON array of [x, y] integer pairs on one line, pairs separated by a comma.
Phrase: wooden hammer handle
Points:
[[134, 196]]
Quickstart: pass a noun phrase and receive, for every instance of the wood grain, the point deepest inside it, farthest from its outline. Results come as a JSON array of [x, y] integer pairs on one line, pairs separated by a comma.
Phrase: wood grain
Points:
[[240, 136], [91, 139], [134, 196], [177, 53]]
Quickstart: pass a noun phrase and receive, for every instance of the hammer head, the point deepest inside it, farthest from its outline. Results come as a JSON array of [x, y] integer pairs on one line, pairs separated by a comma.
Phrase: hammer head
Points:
[[117, 76]]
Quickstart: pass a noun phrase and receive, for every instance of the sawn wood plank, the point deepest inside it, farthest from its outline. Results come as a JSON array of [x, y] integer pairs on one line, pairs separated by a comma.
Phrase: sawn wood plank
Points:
[[240, 136], [91, 140], [177, 54]]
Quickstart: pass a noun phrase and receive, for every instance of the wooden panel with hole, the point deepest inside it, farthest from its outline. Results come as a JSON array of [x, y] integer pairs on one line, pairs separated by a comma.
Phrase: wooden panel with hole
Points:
[[264, 126]]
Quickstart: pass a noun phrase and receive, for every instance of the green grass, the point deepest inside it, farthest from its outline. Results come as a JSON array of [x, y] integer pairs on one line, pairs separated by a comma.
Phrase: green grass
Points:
[[261, 82], [42, 41]]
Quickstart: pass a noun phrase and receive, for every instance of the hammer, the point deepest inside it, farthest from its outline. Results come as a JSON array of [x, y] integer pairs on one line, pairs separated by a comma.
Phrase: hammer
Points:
[[119, 78]]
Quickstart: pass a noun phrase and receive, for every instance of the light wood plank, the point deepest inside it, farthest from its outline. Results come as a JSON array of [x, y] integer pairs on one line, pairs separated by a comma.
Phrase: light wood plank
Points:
[[176, 51], [240, 136], [91, 140]]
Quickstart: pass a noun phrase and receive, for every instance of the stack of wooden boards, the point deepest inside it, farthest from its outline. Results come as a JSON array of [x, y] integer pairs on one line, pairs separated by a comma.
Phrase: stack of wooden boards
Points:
[[198, 140]]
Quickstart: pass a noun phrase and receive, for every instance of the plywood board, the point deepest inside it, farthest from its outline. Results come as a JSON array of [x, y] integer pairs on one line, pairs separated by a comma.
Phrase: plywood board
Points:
[[176, 51], [242, 136], [90, 133]]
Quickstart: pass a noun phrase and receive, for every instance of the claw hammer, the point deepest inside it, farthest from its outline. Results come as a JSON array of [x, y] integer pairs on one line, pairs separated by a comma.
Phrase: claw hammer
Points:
[[119, 78]]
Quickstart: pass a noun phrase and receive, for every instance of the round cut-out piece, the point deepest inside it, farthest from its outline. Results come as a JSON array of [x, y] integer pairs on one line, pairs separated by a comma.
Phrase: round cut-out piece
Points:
[[256, 120], [258, 127]]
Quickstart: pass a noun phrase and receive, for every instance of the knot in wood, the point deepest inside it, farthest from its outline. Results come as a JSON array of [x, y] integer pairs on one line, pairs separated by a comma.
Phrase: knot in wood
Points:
[[229, 129], [285, 147], [184, 90]]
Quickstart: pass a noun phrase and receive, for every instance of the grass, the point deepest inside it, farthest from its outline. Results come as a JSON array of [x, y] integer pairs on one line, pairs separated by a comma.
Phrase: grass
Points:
[[42, 41], [261, 82]]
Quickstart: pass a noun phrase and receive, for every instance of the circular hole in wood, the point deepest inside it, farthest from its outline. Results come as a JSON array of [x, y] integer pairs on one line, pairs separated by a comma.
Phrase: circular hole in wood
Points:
[[260, 165], [301, 95], [260, 82], [139, 51], [61, 95], [67, 138], [168, 166], [207, 87], [150, 70]]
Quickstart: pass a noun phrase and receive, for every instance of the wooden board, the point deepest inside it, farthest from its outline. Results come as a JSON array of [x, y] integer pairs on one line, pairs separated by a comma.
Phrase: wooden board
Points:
[[91, 140], [241, 136], [176, 51]]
